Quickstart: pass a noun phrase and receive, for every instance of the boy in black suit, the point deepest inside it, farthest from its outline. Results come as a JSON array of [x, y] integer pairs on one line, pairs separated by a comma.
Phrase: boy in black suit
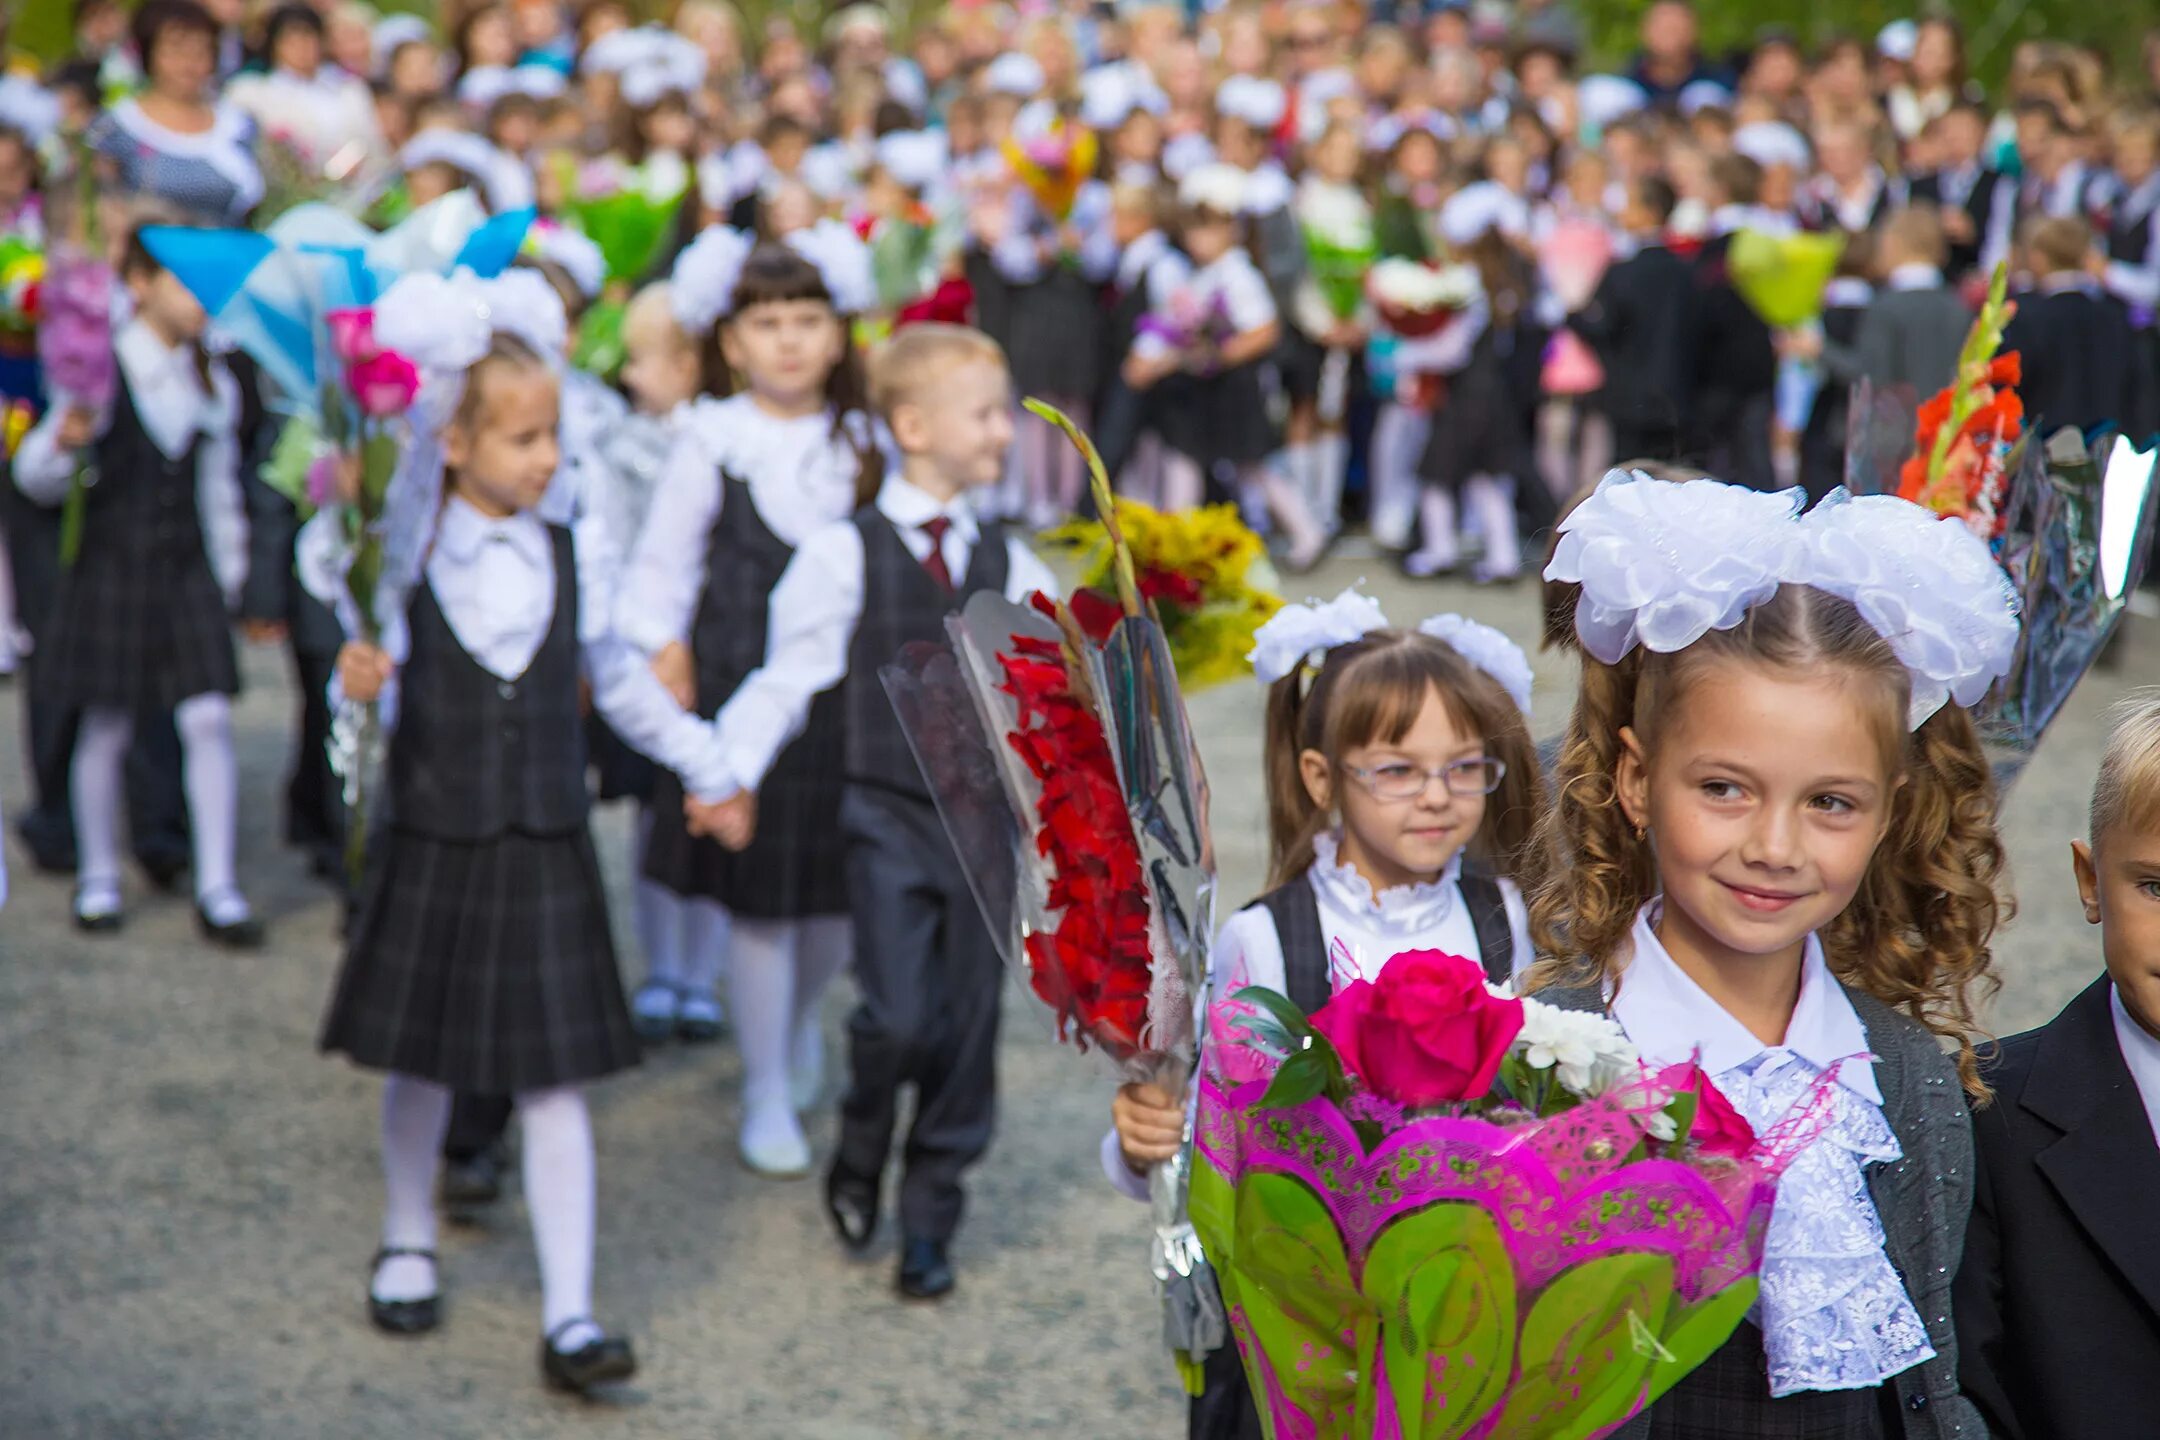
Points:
[[1642, 325], [2058, 1299], [1735, 362], [2083, 367]]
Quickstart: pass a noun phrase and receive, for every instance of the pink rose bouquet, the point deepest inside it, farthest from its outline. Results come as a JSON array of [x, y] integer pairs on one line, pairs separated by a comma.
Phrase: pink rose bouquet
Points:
[[1439, 1210]]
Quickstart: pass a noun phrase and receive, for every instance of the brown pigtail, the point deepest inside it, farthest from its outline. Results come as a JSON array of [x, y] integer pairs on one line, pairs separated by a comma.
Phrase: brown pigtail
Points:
[[1293, 820]]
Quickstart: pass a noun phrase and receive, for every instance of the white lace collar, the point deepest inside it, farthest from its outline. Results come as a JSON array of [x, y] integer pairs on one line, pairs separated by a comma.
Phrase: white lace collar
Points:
[[1399, 910]]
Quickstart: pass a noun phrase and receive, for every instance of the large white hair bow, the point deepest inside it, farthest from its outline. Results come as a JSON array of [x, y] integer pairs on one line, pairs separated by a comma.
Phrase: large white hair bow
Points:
[[702, 290], [1663, 563], [1297, 634], [1927, 585], [444, 324], [1487, 649]]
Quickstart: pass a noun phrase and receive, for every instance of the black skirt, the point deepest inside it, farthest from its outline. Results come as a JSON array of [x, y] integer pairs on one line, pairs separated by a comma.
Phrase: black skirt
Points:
[[794, 866], [1217, 419], [1477, 430], [1299, 359], [485, 967], [133, 637], [1729, 1395], [1056, 336]]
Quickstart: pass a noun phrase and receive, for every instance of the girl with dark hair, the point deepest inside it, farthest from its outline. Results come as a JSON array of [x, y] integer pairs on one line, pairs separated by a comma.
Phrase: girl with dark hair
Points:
[[142, 620], [782, 448], [325, 116]]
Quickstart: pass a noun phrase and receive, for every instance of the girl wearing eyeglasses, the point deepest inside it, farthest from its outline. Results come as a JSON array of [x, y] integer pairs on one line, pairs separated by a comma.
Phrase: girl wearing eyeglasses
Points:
[[1403, 790]]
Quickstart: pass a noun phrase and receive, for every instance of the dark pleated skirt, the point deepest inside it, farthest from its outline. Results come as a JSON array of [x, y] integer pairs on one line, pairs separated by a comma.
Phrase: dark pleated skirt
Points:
[[1056, 335], [794, 867], [1478, 430], [1218, 419], [131, 637], [485, 967], [1728, 1396]]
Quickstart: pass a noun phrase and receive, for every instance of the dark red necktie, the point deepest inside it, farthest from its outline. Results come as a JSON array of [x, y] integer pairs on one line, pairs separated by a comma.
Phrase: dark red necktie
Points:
[[934, 562]]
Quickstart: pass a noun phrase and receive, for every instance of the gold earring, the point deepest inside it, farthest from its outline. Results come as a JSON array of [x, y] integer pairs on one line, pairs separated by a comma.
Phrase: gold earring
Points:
[[1642, 832]]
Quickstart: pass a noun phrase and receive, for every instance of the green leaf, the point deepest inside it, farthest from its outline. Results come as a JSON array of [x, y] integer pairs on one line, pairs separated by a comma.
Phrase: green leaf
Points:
[[1286, 1014], [1445, 1288], [1683, 1109], [1212, 1205], [1581, 1370], [1692, 1333], [1266, 1033], [1292, 1278], [1299, 1079], [378, 462]]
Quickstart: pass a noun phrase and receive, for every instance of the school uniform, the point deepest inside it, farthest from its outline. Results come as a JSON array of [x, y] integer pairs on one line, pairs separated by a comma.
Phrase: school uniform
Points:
[[1735, 376], [1989, 200], [1823, 206], [2083, 365], [1852, 1330], [1148, 270], [1289, 941], [928, 972], [2058, 1299], [742, 489], [1643, 323], [1054, 312], [1822, 442], [2133, 248], [143, 620], [1219, 418], [480, 957]]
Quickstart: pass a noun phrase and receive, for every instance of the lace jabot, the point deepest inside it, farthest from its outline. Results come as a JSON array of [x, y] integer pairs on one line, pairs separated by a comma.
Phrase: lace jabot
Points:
[[1402, 910], [1834, 1314]]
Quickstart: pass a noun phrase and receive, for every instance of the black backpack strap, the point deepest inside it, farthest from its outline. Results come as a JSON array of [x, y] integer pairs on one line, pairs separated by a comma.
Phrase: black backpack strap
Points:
[[1306, 974], [1489, 918]]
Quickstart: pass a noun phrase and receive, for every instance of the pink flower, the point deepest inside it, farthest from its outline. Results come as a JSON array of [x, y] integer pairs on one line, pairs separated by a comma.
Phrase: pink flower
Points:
[[1719, 1129], [383, 384], [1427, 1031], [322, 481], [352, 334]]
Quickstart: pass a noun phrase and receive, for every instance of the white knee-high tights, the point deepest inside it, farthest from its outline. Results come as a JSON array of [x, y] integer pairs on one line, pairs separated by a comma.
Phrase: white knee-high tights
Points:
[[208, 775]]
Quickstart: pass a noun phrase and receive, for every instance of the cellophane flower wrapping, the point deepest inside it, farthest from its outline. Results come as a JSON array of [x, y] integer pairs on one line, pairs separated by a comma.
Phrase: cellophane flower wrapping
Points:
[[1204, 571], [1782, 277], [1541, 1255], [1065, 771], [1416, 301], [22, 277], [1339, 248]]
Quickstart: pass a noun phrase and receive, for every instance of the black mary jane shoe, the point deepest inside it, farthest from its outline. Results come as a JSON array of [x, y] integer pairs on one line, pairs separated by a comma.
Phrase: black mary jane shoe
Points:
[[851, 1203], [926, 1272], [403, 1317], [100, 922], [472, 1183], [244, 934], [603, 1361]]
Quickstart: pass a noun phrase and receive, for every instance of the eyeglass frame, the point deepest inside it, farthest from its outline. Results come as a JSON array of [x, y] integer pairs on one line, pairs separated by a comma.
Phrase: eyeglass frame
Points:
[[1367, 777]]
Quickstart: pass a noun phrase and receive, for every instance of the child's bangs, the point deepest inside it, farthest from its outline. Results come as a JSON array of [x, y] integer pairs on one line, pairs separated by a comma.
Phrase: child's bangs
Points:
[[773, 275], [1380, 696]]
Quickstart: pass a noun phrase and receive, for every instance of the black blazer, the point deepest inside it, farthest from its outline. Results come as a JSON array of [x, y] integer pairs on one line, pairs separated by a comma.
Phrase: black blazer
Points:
[[1734, 354], [2083, 365], [1642, 323], [2058, 1299]]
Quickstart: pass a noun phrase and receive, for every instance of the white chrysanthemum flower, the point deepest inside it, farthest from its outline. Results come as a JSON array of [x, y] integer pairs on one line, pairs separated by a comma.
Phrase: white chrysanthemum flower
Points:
[[1589, 1053]]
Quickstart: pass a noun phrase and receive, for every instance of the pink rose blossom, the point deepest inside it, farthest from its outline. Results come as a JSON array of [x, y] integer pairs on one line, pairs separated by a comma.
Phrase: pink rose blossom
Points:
[[384, 384], [352, 334], [1426, 1032]]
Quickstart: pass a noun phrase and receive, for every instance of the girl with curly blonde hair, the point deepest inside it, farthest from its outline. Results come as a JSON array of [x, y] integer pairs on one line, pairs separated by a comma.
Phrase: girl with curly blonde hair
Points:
[[1773, 853]]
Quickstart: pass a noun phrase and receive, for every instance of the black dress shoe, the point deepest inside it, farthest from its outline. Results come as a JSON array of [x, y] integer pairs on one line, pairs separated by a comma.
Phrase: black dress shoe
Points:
[[852, 1203], [925, 1272], [473, 1183], [402, 1317], [101, 922], [597, 1362], [244, 934]]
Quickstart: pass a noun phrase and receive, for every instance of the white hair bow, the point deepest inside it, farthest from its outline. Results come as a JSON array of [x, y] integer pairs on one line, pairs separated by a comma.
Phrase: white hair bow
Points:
[[444, 324], [702, 289], [1661, 564], [1487, 649], [1297, 635]]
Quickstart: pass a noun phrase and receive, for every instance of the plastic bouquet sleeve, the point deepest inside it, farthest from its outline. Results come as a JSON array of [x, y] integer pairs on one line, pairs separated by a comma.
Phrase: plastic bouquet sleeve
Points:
[[1532, 1248], [1064, 770], [1782, 277]]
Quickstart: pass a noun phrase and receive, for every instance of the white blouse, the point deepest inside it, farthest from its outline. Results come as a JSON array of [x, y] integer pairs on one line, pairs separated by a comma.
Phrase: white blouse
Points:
[[800, 476], [1833, 1312], [1369, 928]]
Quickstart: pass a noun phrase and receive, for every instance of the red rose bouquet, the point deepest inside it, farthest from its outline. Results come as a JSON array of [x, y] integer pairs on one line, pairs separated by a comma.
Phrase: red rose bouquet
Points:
[[1062, 765], [1438, 1210]]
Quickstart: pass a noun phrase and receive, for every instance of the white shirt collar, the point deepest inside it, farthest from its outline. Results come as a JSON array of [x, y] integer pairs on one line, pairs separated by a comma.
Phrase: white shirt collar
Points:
[[149, 360], [2141, 1052], [1915, 277], [464, 532], [1404, 909], [912, 508], [1670, 1017], [2068, 283]]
